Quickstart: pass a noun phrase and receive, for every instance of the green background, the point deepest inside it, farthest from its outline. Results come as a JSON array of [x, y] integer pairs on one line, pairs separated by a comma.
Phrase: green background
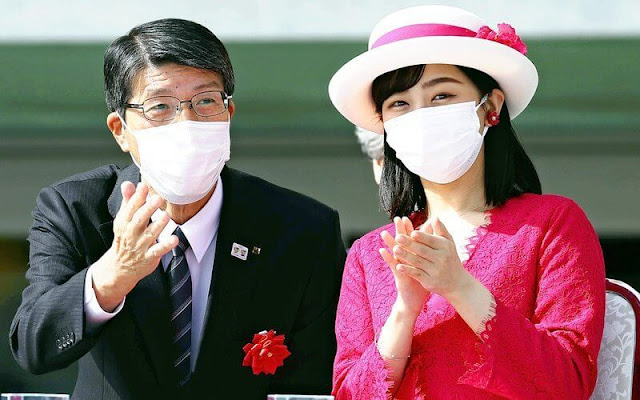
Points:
[[586, 86]]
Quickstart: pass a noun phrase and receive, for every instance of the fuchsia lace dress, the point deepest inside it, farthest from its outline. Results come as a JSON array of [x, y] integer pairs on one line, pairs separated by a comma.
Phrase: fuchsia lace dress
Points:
[[541, 259]]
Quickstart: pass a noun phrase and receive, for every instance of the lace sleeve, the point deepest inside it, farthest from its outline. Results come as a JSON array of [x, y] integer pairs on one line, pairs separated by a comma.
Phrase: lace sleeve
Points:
[[552, 355], [359, 371]]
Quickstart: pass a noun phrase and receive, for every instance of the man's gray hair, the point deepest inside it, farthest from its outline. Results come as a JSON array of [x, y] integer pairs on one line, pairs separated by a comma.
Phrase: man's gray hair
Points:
[[371, 143]]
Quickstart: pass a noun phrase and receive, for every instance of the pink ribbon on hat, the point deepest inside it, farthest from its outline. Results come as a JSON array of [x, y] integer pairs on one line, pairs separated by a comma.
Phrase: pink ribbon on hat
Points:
[[422, 30]]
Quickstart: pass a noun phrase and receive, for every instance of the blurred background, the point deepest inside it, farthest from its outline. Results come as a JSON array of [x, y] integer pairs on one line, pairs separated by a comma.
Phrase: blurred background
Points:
[[582, 129]]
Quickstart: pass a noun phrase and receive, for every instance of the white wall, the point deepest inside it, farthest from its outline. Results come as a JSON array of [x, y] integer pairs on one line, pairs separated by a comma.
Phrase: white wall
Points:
[[285, 19]]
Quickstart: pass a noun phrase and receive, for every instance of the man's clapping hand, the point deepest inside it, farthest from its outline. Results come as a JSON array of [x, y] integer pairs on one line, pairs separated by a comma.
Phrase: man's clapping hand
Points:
[[135, 251]]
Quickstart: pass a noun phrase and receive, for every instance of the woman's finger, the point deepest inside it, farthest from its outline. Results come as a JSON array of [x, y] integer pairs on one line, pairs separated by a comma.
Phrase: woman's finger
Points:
[[415, 273], [420, 249], [397, 222], [427, 227], [441, 230], [388, 240], [405, 257], [408, 225], [433, 241], [387, 257]]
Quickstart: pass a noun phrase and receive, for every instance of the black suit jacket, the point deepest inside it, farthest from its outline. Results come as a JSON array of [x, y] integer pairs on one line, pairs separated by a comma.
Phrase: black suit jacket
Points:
[[292, 286]]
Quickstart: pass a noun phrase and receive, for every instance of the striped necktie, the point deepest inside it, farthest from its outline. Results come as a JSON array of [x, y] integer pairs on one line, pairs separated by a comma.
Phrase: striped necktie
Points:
[[180, 296]]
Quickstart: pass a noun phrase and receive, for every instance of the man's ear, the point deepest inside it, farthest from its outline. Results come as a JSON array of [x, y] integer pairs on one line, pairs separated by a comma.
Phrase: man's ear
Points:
[[117, 130], [232, 108]]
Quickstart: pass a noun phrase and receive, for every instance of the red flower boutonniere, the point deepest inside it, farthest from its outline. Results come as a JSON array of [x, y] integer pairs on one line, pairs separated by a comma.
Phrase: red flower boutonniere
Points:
[[506, 35], [265, 353]]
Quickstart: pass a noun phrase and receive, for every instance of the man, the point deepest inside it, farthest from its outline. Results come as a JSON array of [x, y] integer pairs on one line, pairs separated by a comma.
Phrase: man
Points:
[[154, 279], [372, 146]]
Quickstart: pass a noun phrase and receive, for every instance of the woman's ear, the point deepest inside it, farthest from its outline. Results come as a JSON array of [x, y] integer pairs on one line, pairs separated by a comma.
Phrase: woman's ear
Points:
[[495, 101]]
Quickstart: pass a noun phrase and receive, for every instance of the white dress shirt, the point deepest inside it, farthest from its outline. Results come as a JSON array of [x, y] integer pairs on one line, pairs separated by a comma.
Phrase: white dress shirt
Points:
[[201, 231]]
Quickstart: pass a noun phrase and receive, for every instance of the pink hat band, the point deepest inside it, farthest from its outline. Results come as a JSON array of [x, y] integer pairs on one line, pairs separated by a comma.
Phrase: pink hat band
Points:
[[422, 30]]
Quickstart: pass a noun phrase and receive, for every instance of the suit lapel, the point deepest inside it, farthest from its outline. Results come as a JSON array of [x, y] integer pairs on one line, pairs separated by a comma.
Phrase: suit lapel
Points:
[[233, 280], [148, 302], [131, 174]]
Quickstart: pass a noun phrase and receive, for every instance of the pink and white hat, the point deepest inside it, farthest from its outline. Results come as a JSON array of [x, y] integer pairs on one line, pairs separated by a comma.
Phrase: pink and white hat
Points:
[[433, 35]]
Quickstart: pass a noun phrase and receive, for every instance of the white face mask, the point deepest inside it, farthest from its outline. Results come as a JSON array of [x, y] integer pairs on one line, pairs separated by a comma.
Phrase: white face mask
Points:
[[182, 161], [439, 144]]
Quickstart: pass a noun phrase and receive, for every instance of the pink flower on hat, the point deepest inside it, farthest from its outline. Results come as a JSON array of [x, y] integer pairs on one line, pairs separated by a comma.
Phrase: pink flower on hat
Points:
[[506, 35]]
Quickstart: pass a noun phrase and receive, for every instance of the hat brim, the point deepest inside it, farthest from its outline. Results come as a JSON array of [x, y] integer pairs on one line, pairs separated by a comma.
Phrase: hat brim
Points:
[[350, 86]]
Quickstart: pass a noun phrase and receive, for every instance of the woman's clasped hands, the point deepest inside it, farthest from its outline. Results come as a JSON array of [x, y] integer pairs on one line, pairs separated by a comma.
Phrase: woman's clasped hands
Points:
[[423, 260]]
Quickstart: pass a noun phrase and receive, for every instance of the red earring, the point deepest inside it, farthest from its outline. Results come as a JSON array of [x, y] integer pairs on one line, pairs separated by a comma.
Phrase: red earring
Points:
[[493, 117]]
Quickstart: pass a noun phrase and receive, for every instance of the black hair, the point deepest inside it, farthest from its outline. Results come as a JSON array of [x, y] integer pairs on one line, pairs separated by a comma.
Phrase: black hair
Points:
[[509, 171], [158, 42]]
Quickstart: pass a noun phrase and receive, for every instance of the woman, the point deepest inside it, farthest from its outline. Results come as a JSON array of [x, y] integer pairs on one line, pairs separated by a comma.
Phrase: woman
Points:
[[481, 288]]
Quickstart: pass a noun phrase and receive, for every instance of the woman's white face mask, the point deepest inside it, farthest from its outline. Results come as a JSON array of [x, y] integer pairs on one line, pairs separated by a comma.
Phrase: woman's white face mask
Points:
[[182, 161], [439, 144]]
